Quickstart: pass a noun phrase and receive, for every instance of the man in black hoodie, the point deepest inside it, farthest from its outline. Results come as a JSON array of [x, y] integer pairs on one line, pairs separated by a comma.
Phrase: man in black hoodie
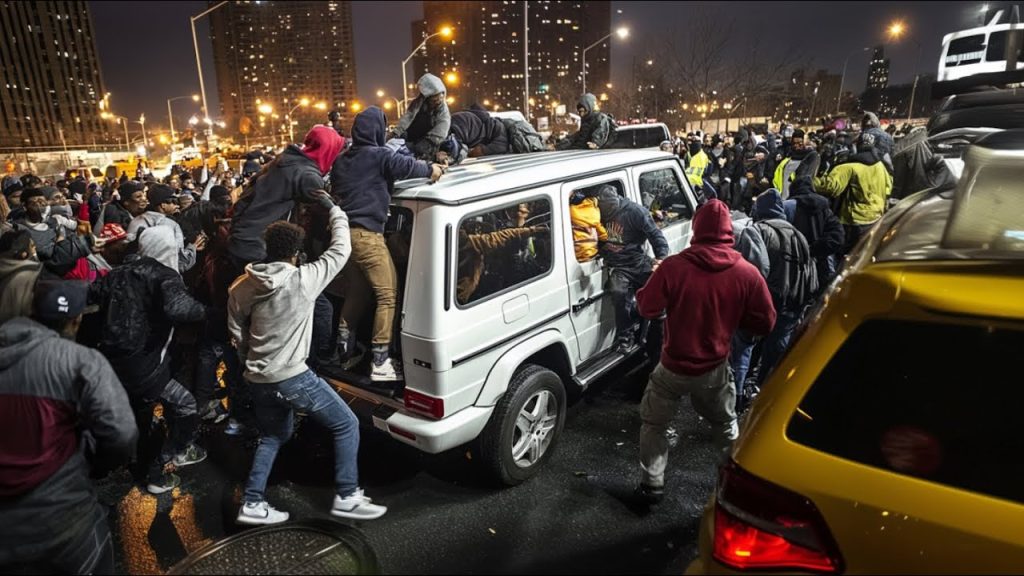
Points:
[[596, 127], [363, 180], [478, 134], [629, 226], [810, 213]]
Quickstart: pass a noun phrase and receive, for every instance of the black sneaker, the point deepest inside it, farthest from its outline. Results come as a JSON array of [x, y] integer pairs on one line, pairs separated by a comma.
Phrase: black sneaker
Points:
[[624, 345], [165, 483], [649, 495]]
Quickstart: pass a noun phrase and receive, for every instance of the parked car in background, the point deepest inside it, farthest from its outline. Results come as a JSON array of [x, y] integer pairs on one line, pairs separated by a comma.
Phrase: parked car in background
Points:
[[645, 136]]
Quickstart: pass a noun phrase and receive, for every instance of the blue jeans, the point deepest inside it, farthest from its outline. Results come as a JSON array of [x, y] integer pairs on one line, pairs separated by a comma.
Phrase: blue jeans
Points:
[[739, 360], [274, 406], [777, 342]]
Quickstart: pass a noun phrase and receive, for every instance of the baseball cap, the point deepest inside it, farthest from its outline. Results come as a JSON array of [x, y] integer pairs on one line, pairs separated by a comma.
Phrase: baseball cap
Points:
[[61, 299], [113, 232], [162, 194]]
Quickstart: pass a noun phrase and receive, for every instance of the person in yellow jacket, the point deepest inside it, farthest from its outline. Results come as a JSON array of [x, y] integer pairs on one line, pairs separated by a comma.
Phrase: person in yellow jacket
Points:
[[862, 186], [587, 229], [698, 164]]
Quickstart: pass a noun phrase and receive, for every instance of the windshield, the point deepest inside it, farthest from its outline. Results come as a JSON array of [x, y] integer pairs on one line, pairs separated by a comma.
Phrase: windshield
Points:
[[966, 50]]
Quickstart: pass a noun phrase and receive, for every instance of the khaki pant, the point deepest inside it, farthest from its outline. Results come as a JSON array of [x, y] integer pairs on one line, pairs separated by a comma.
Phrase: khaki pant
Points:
[[370, 270], [713, 397]]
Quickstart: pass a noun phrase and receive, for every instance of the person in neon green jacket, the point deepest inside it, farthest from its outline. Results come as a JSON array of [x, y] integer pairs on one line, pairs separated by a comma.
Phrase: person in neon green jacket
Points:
[[862, 186]]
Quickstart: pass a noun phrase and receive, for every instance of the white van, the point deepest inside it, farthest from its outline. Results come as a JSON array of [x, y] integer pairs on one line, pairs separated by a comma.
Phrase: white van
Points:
[[498, 320]]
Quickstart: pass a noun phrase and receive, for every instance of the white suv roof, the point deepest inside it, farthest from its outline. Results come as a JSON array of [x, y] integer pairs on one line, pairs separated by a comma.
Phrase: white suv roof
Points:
[[477, 178]]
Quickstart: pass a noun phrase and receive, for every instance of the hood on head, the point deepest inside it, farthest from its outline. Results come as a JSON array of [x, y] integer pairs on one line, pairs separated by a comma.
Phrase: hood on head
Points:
[[11, 266], [768, 206], [157, 242], [430, 85], [269, 276], [870, 120], [712, 224], [370, 128], [711, 247], [801, 186], [588, 101], [322, 145], [608, 201]]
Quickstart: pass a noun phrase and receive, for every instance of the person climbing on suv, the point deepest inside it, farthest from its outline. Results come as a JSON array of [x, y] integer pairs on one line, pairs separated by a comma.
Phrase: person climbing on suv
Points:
[[426, 123], [363, 180], [597, 129], [629, 225]]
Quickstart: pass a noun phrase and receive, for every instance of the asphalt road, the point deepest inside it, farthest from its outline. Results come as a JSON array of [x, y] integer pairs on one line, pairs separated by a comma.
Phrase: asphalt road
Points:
[[575, 516]]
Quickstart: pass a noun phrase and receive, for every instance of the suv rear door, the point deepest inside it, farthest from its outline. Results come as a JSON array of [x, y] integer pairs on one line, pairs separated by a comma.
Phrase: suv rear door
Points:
[[661, 188]]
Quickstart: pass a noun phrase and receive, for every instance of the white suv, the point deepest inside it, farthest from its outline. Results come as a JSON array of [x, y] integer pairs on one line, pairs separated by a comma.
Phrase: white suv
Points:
[[498, 320]]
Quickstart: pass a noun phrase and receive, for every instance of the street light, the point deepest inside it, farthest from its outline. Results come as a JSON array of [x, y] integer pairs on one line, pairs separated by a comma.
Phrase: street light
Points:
[[387, 105], [303, 102], [123, 121], [842, 79], [446, 32], [170, 116], [621, 32], [265, 109], [895, 31], [451, 78], [199, 65]]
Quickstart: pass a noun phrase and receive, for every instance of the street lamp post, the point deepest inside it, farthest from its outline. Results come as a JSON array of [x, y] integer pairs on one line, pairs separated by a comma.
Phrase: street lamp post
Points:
[[446, 32], [622, 32], [895, 31], [398, 104], [291, 130], [124, 121], [842, 79], [142, 123], [170, 116], [199, 65]]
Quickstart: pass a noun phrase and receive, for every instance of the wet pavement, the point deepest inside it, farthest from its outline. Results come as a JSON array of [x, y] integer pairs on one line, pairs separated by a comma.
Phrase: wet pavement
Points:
[[576, 515]]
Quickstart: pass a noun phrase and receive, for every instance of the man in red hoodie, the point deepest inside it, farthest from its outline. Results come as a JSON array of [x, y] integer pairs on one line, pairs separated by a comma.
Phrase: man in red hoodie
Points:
[[707, 292]]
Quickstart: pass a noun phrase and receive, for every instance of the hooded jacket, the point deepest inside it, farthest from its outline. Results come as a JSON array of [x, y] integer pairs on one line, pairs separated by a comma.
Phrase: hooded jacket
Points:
[[440, 119], [708, 292], [595, 127], [587, 230], [780, 252], [810, 213], [270, 309], [62, 402], [629, 225], [363, 178], [17, 287], [184, 257], [475, 127], [141, 302], [862, 185], [296, 174]]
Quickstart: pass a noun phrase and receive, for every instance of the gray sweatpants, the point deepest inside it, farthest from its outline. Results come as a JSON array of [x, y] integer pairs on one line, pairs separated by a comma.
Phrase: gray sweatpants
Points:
[[713, 397]]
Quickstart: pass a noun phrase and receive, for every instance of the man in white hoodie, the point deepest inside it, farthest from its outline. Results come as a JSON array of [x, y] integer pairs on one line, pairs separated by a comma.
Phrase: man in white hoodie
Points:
[[270, 316]]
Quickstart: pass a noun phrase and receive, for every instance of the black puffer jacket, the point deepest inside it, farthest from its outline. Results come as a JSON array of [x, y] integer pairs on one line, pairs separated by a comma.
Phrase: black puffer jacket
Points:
[[140, 303], [595, 127], [810, 213], [475, 127]]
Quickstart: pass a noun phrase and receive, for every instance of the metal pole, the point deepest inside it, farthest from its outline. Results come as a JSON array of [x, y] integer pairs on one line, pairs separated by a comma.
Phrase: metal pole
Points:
[[199, 65], [913, 91], [526, 59], [170, 120], [842, 80], [405, 93], [127, 143], [585, 61]]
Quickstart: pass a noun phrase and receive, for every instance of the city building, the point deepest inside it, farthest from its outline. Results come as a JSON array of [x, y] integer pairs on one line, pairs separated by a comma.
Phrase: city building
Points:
[[878, 70], [50, 82], [487, 51], [268, 56]]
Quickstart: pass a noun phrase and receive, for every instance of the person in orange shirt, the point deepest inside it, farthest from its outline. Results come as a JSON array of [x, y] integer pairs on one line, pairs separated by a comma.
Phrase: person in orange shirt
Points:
[[586, 225]]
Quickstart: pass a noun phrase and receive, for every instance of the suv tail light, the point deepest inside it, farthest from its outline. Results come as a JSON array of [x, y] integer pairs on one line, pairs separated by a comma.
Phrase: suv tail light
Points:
[[428, 405], [759, 525]]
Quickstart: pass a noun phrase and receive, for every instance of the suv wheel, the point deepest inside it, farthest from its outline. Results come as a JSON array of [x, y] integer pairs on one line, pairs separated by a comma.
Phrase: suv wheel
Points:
[[525, 426]]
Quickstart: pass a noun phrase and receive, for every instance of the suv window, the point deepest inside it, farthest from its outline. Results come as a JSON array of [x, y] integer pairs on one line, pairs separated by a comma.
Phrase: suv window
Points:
[[996, 50], [502, 249], [967, 50], [931, 401], [662, 194]]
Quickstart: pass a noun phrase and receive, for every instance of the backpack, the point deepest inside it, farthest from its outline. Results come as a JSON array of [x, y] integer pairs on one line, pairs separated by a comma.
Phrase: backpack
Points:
[[522, 138], [126, 320], [798, 281], [613, 130]]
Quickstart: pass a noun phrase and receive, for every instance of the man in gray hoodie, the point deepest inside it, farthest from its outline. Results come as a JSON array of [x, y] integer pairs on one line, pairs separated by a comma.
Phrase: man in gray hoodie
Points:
[[270, 316], [425, 125]]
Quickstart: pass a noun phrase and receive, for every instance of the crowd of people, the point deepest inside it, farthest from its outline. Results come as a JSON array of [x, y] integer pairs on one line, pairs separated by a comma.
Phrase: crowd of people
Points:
[[118, 296]]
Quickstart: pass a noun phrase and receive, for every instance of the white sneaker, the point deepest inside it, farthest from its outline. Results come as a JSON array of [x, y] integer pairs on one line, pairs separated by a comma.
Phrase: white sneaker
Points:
[[356, 507], [260, 513], [389, 371]]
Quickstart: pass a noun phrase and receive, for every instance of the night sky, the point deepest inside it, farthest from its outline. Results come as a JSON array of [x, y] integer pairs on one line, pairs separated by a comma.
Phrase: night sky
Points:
[[147, 56]]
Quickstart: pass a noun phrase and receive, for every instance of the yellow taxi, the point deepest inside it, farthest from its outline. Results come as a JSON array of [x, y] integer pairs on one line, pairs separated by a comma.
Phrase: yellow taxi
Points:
[[888, 439]]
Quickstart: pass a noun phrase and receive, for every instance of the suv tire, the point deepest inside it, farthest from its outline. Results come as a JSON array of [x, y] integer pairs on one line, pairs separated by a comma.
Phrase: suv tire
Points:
[[531, 393]]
